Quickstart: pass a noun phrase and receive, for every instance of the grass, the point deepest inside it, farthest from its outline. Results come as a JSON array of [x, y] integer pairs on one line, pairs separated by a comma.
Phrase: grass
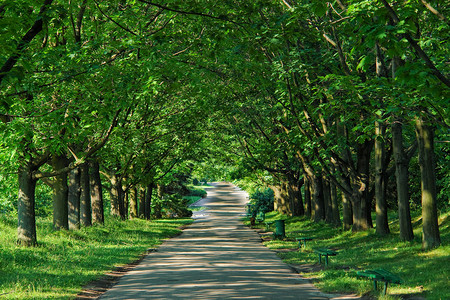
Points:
[[424, 273], [64, 261]]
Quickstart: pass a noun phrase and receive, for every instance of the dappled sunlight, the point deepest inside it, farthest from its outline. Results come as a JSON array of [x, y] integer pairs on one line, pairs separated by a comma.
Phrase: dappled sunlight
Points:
[[217, 257]]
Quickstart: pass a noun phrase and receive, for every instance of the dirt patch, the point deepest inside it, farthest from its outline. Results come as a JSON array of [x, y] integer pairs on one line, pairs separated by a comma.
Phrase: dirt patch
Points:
[[96, 288]]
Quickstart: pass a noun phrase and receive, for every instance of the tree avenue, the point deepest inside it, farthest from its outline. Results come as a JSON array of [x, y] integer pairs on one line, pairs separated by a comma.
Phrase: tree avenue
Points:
[[330, 104]]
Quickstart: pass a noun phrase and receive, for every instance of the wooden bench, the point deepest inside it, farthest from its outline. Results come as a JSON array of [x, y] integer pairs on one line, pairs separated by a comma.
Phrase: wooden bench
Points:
[[325, 252], [302, 241], [380, 275]]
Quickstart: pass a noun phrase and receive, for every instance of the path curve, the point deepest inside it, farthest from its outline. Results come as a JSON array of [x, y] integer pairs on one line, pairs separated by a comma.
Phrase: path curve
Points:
[[216, 257]]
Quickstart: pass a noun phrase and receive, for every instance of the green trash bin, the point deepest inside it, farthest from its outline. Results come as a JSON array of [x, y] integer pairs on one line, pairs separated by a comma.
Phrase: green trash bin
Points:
[[279, 229]]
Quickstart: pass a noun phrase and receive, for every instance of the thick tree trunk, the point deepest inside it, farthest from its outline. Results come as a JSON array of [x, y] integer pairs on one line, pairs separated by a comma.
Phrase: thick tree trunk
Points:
[[74, 199], [282, 200], [317, 201], [327, 200], [347, 212], [295, 196], [401, 175], [133, 203], [360, 201], [148, 201], [85, 196], [307, 190], [96, 193], [26, 229], [157, 207], [382, 226], [430, 228], [114, 192], [60, 194], [336, 219], [141, 202]]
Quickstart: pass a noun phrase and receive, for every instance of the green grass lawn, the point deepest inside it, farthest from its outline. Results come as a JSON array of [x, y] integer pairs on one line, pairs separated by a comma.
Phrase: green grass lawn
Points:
[[64, 261], [424, 273]]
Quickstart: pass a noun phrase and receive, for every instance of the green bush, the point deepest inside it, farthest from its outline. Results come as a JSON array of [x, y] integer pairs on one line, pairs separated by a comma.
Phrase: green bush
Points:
[[193, 191], [262, 200]]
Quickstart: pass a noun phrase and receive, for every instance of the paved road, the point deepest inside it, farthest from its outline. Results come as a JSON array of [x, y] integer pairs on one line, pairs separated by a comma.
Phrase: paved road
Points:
[[217, 257]]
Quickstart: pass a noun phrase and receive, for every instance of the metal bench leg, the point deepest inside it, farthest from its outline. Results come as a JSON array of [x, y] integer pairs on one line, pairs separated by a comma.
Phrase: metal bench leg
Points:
[[375, 287], [326, 260], [320, 258], [385, 287]]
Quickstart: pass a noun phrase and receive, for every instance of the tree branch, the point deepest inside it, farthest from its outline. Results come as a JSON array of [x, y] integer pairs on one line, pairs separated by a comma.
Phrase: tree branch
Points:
[[27, 38], [416, 46]]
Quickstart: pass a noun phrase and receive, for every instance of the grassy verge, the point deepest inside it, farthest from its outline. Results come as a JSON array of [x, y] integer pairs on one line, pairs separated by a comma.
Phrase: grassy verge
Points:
[[425, 273], [66, 260]]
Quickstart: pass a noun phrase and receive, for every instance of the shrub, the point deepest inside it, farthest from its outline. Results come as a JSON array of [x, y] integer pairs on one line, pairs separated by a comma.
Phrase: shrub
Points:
[[262, 200]]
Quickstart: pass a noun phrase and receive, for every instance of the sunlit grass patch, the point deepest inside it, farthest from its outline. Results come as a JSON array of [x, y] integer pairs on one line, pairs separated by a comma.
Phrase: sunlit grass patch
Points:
[[65, 260], [424, 273]]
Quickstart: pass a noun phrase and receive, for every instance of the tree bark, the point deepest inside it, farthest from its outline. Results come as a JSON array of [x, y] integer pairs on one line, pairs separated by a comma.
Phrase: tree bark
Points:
[[26, 229], [96, 193], [60, 194], [317, 201], [360, 202], [336, 219], [347, 212], [133, 203], [295, 195], [307, 190], [327, 200], [430, 228], [401, 176], [74, 199], [148, 201], [141, 202], [115, 194], [382, 226], [85, 196]]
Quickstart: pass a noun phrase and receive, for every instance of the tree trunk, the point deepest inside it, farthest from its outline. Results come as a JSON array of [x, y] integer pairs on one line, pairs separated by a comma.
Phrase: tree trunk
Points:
[[327, 200], [430, 227], [85, 196], [148, 201], [382, 226], [295, 196], [307, 190], [60, 195], [133, 203], [360, 201], [142, 203], [157, 206], [336, 219], [282, 201], [96, 193], [347, 212], [401, 176], [74, 199], [114, 192], [26, 229], [317, 201]]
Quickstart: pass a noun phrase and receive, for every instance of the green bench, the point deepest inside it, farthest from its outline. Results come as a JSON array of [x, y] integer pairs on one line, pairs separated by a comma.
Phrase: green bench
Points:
[[380, 275], [324, 252], [302, 241]]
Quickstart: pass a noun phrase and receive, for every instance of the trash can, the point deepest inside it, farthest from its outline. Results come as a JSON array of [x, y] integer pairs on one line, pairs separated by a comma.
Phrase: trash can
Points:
[[279, 229]]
